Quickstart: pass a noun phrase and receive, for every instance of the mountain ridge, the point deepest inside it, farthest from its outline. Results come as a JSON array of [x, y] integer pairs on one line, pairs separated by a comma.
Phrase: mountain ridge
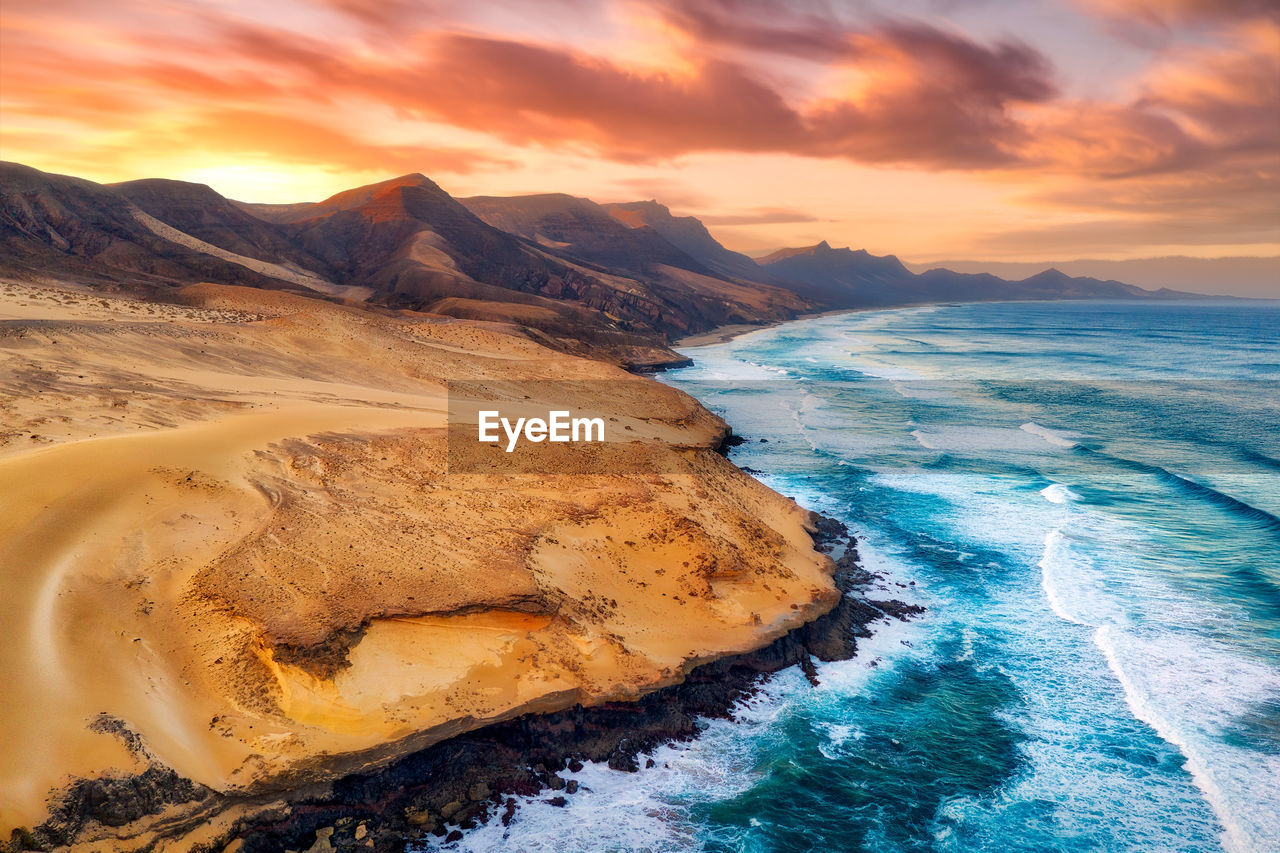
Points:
[[618, 281]]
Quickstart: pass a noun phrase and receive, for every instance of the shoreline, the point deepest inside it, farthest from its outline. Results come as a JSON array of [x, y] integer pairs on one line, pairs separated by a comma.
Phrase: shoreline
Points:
[[726, 333]]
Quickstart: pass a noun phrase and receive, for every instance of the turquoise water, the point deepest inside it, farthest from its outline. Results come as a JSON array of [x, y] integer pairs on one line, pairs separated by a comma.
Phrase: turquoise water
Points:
[[1086, 497]]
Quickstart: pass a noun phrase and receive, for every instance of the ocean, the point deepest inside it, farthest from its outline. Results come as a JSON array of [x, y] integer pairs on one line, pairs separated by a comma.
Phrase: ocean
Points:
[[1086, 499]]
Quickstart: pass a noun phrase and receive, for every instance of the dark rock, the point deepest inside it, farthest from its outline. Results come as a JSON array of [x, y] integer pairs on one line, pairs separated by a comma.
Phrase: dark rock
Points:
[[623, 758], [115, 801], [827, 530], [729, 441], [572, 786]]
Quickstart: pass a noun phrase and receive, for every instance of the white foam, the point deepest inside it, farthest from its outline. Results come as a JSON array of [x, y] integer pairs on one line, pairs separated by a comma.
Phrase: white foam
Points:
[[1059, 494], [1058, 438], [614, 809], [1192, 694], [1051, 576], [837, 735], [768, 370], [975, 439]]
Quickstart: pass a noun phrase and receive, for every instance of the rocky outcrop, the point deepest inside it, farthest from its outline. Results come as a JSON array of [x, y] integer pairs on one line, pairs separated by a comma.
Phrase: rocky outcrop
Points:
[[452, 786]]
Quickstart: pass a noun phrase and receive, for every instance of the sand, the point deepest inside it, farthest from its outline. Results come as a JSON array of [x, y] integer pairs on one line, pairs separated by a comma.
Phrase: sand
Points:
[[229, 527]]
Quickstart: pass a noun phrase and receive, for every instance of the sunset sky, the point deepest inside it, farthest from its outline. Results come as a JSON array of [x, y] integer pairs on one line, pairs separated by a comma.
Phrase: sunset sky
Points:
[[988, 129]]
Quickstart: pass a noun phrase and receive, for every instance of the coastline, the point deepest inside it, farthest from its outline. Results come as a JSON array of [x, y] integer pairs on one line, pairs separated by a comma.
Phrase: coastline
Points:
[[457, 784], [454, 785], [726, 333], [155, 795]]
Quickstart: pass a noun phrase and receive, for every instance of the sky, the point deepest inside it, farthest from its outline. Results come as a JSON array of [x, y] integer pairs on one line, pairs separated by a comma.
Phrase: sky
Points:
[[988, 129]]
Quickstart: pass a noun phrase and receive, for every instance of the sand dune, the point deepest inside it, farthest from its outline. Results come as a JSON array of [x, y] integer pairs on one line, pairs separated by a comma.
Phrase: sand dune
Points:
[[230, 545]]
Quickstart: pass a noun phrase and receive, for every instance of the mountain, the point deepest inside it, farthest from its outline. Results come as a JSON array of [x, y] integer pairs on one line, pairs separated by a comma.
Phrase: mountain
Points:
[[586, 233], [60, 225], [688, 234], [199, 211], [402, 243], [580, 228], [1243, 276], [845, 278]]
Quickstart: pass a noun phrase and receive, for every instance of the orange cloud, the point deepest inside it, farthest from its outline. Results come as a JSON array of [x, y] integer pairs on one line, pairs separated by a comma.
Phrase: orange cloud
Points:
[[1201, 111], [945, 100], [353, 84]]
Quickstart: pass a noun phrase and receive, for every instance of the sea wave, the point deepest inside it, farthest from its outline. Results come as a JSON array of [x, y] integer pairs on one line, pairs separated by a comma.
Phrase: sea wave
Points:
[[970, 439], [1259, 517], [1193, 697], [1077, 591], [1058, 438], [1059, 494]]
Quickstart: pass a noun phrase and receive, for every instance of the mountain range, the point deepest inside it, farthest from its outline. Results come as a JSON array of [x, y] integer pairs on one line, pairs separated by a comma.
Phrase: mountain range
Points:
[[620, 281], [1257, 276]]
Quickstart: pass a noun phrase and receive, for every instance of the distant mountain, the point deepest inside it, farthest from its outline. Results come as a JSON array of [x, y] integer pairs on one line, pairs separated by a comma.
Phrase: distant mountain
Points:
[[581, 231], [688, 234], [845, 278], [1244, 276]]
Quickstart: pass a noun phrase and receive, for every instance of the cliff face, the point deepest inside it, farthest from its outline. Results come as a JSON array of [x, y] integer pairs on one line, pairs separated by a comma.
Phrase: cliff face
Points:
[[237, 561]]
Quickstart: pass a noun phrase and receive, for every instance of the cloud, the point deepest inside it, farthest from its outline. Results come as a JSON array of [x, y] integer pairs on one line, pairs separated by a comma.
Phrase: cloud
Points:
[[1199, 109], [287, 139], [1155, 23], [1169, 13], [932, 98], [1197, 129], [1107, 235], [805, 29], [246, 135], [936, 99], [527, 93], [927, 97]]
